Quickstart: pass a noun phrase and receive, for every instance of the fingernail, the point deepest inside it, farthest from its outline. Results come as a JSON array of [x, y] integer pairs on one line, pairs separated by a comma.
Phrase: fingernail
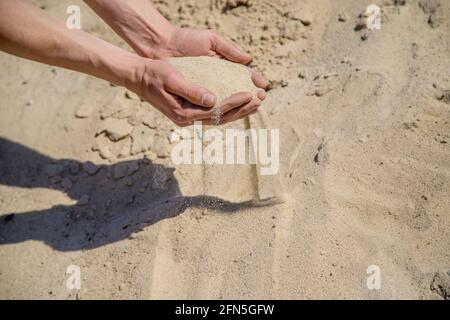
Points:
[[261, 94], [264, 82], [209, 100]]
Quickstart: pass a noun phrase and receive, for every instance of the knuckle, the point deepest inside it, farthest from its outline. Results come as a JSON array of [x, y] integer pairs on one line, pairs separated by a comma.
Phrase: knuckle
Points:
[[245, 96], [255, 101], [181, 115], [187, 92], [177, 122], [172, 78]]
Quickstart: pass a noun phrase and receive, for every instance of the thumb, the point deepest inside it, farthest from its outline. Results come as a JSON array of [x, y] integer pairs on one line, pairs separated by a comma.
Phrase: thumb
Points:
[[195, 94]]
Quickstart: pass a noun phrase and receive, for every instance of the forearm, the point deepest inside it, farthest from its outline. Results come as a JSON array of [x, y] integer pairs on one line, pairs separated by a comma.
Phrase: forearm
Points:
[[29, 32], [137, 21]]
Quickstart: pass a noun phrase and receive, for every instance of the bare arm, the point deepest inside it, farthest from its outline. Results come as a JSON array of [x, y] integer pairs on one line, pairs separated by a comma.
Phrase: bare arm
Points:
[[151, 35], [138, 22], [29, 32]]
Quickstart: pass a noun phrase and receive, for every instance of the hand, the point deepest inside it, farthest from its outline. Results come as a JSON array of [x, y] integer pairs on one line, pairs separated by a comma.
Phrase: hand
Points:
[[182, 42], [153, 36], [163, 86]]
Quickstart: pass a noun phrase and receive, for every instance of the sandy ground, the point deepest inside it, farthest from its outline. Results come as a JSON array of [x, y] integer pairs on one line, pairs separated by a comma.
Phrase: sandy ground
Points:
[[364, 166]]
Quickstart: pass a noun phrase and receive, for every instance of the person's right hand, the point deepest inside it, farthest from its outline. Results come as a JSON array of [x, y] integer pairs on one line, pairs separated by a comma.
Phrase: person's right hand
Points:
[[164, 87]]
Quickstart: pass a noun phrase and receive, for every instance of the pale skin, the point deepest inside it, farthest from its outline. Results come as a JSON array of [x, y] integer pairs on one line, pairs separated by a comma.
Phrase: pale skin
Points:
[[29, 32]]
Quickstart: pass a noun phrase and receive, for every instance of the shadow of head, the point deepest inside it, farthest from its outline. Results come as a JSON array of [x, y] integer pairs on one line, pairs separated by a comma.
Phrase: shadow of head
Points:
[[112, 201]]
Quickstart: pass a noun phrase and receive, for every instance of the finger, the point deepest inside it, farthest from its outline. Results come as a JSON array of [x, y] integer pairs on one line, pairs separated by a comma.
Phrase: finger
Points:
[[235, 101], [214, 54], [193, 93], [236, 113], [230, 51], [258, 79], [230, 118], [230, 103], [245, 114], [261, 94], [186, 112], [253, 112]]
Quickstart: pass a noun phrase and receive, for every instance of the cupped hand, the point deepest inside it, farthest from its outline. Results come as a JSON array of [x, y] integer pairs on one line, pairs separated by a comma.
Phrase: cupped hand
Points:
[[163, 86], [190, 42]]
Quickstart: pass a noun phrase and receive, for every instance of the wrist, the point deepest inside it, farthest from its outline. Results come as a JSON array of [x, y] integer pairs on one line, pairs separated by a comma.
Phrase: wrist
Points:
[[113, 64], [124, 68], [138, 22], [153, 38]]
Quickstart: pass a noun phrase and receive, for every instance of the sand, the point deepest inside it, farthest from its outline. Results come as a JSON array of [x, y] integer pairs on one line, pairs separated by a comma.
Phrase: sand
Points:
[[222, 77], [364, 166]]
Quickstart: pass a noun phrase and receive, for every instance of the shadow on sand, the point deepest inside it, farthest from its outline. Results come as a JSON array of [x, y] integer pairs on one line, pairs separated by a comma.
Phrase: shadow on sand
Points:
[[107, 209]]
